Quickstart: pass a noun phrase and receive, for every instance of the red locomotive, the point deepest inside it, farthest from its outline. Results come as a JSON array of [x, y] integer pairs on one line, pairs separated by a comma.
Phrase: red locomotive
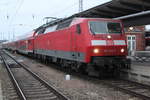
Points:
[[83, 44]]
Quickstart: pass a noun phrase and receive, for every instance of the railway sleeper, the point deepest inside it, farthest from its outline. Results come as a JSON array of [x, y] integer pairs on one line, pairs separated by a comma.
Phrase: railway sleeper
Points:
[[39, 92], [40, 95], [34, 90]]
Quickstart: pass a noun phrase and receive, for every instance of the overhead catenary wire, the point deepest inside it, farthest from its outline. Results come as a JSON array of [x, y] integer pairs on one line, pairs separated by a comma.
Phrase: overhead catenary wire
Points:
[[13, 18], [80, 5], [7, 17], [16, 12], [66, 8]]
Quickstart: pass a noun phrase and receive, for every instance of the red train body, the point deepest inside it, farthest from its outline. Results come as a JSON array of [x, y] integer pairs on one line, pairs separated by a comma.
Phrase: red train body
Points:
[[24, 44], [78, 41]]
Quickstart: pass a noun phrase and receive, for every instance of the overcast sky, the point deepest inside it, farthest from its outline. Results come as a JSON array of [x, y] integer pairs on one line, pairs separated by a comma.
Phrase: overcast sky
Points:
[[21, 16]]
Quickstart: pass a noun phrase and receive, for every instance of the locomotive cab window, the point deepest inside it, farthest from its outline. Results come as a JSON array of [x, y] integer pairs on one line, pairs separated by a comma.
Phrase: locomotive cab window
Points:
[[114, 27], [98, 27]]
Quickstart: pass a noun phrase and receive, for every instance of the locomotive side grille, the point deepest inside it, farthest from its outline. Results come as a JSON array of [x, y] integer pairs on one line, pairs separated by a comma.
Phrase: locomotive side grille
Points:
[[110, 42]]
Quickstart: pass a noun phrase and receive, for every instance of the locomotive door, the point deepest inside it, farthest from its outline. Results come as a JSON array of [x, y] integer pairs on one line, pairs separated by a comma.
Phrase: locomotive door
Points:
[[74, 44], [131, 42]]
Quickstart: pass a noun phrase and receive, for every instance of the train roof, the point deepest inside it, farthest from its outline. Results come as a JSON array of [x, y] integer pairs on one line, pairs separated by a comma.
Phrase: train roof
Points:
[[68, 19], [52, 23], [25, 36]]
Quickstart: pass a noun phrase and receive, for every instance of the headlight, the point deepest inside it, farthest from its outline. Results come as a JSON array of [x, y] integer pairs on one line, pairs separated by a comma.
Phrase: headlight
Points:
[[96, 50], [122, 50], [109, 37]]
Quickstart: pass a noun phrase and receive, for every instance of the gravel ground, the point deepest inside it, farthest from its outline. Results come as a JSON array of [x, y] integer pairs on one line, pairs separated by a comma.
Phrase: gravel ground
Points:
[[76, 88], [8, 90]]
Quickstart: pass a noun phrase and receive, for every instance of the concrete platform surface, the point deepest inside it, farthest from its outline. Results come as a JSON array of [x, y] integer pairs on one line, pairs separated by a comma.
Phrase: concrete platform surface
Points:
[[1, 96], [139, 72]]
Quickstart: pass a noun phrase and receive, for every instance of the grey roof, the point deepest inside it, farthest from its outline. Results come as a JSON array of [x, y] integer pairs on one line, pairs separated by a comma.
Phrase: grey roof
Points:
[[117, 8], [1, 41], [132, 12]]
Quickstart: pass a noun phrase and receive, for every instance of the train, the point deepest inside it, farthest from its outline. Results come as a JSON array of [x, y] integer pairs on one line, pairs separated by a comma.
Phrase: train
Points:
[[96, 46], [147, 40]]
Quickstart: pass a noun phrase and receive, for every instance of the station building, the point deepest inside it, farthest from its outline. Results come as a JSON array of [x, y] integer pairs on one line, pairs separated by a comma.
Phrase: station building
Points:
[[135, 38]]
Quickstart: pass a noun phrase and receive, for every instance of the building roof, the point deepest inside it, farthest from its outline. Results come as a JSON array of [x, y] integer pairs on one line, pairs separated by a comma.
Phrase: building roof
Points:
[[131, 12], [117, 8], [1, 41]]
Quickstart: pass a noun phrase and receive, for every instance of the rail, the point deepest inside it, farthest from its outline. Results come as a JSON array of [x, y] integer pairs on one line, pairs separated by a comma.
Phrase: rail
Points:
[[20, 91]]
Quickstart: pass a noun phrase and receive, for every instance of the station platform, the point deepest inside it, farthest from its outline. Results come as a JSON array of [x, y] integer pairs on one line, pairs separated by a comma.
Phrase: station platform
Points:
[[140, 70], [1, 96], [141, 56]]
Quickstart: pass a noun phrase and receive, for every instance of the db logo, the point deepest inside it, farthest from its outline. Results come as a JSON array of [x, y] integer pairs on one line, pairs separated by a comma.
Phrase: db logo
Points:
[[110, 42], [109, 50]]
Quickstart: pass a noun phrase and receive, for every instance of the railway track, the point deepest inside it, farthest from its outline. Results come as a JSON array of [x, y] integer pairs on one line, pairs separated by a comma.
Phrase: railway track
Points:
[[132, 88], [28, 85]]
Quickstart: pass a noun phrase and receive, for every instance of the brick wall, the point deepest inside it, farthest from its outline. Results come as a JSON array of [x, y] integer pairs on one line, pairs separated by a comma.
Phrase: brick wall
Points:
[[140, 40], [138, 31]]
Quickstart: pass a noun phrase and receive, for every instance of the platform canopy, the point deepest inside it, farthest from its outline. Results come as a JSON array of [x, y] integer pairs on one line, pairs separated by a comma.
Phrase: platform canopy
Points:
[[132, 12]]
